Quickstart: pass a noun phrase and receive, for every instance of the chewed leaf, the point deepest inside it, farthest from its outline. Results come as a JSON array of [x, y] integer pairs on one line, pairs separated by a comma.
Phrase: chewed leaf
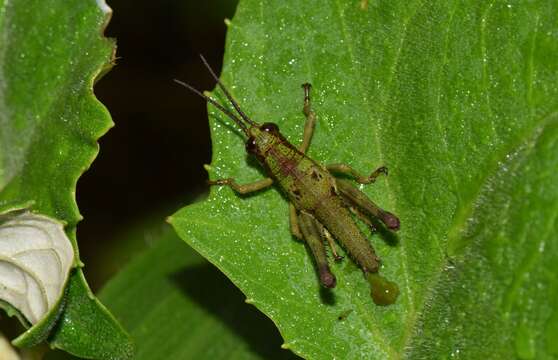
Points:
[[51, 54], [35, 260]]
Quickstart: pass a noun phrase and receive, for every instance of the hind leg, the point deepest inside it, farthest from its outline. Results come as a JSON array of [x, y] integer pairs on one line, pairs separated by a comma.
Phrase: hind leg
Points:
[[356, 197]]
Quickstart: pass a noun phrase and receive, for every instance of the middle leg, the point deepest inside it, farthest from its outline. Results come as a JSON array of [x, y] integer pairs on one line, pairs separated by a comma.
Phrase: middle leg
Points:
[[361, 179], [243, 189], [294, 226], [331, 243]]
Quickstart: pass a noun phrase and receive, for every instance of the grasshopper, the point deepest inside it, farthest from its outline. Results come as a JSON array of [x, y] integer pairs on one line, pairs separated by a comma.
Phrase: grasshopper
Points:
[[320, 204]]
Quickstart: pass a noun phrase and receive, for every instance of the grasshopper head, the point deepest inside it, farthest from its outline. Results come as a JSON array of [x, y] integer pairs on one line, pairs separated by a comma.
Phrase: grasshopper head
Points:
[[261, 138]]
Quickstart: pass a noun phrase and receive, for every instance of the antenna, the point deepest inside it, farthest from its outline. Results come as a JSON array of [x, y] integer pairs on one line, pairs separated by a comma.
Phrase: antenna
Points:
[[227, 94], [216, 104]]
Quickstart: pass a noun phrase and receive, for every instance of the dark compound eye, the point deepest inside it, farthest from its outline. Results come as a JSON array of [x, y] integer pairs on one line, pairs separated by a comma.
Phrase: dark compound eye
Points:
[[270, 127], [251, 145]]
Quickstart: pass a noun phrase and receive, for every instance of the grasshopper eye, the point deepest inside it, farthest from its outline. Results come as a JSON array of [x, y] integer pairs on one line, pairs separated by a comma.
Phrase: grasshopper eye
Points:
[[251, 145], [270, 127]]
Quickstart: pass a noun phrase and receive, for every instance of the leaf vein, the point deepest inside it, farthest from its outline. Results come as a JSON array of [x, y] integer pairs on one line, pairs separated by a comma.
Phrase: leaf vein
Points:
[[461, 221]]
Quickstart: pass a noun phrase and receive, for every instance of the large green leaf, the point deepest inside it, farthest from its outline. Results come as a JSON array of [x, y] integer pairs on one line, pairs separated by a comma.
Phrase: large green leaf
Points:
[[184, 308], [50, 54], [460, 100]]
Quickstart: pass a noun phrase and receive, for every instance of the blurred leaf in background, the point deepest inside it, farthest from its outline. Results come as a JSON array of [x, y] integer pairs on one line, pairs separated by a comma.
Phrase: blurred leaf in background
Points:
[[176, 305], [460, 101], [50, 54]]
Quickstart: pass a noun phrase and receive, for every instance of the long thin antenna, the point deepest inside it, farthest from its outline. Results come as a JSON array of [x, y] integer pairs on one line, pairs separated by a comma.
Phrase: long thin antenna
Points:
[[216, 104], [227, 94]]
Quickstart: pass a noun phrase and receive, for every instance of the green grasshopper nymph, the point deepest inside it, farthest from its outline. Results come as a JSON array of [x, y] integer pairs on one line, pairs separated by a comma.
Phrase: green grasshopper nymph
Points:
[[320, 205]]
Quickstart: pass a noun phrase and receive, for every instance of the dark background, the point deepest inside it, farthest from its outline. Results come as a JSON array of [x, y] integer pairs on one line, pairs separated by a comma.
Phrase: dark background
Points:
[[151, 162]]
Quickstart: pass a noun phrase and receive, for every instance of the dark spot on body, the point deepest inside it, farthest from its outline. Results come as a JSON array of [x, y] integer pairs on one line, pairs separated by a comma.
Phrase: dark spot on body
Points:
[[332, 191], [297, 193], [315, 175], [286, 166]]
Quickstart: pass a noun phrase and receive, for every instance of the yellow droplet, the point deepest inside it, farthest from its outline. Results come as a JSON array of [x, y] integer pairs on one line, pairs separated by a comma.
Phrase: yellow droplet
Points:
[[383, 291]]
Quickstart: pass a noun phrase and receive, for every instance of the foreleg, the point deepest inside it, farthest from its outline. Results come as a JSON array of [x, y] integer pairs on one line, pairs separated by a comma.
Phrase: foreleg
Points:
[[243, 188]]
